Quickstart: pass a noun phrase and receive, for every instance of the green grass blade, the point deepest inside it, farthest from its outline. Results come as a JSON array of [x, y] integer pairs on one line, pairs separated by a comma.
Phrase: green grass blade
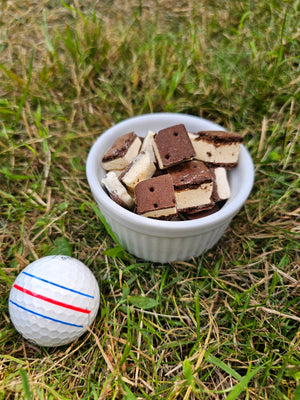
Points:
[[220, 364], [241, 386], [142, 302], [26, 90], [103, 220], [11, 358], [25, 384], [4, 277], [61, 247]]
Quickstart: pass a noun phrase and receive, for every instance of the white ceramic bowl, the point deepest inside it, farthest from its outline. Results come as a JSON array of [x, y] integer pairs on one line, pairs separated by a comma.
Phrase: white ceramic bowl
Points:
[[166, 241]]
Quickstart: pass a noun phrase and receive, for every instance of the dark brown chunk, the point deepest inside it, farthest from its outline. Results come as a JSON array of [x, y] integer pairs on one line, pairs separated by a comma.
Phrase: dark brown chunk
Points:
[[202, 213], [154, 194], [173, 145], [119, 147], [219, 137], [189, 174]]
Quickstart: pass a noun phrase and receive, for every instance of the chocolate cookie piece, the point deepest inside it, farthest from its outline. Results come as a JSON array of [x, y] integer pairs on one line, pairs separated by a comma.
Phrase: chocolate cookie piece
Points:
[[217, 148], [155, 197], [122, 152], [172, 146], [193, 186], [189, 173]]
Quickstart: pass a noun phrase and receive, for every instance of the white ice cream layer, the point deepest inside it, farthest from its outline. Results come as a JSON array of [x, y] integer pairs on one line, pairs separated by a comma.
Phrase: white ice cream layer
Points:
[[189, 198], [157, 155], [223, 187], [142, 168], [208, 152], [147, 145], [161, 213], [113, 185]]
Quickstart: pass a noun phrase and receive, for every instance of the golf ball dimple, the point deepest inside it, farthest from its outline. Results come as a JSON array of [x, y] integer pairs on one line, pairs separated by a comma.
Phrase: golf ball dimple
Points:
[[53, 300]]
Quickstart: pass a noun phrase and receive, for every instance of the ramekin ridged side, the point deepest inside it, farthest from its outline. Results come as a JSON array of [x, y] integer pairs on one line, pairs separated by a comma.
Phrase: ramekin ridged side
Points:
[[161, 248], [166, 241]]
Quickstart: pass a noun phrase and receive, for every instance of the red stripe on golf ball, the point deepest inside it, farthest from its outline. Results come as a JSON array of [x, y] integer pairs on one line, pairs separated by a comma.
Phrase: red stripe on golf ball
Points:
[[52, 301]]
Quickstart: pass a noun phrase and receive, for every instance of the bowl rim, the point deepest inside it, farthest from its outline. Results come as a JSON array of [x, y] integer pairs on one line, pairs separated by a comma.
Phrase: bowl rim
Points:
[[162, 227]]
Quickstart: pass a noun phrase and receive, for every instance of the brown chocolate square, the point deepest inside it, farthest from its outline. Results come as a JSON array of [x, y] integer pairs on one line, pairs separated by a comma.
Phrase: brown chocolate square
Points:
[[172, 146], [155, 195], [189, 174]]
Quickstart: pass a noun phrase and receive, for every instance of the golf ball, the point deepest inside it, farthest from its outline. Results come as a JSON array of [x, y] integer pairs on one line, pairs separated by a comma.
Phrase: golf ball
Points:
[[53, 300]]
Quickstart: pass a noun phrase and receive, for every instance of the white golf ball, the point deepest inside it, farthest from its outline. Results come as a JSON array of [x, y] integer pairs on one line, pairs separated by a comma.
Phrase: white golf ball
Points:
[[53, 300]]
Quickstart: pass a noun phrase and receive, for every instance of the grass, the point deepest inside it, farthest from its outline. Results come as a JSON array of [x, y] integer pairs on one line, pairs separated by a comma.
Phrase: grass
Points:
[[221, 326]]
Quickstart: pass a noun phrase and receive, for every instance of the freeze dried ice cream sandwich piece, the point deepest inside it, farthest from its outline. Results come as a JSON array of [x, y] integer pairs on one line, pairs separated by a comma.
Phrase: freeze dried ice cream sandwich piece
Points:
[[141, 168], [217, 148], [155, 197], [122, 152], [193, 186], [221, 188], [172, 146], [117, 191], [147, 145]]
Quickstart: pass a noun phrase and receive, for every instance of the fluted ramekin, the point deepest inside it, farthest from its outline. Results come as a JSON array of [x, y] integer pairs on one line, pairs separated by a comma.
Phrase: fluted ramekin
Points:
[[157, 240]]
